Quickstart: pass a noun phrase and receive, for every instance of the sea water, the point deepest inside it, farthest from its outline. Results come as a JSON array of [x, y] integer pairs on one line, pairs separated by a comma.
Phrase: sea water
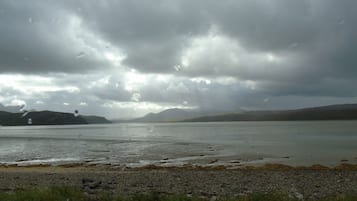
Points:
[[174, 144]]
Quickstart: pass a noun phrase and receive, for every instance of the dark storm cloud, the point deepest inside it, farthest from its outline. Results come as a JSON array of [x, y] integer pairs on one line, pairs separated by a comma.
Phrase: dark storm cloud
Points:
[[271, 48], [315, 37], [152, 33], [37, 37]]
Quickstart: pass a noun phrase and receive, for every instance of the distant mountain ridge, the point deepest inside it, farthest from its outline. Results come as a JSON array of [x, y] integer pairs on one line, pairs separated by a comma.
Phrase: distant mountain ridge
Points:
[[330, 112], [166, 116], [171, 115], [47, 118]]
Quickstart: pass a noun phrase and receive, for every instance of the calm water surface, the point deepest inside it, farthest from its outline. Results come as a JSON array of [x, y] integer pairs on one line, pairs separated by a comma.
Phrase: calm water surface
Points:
[[167, 144]]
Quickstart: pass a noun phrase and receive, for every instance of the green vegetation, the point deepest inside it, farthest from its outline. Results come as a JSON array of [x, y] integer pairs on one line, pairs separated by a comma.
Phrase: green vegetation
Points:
[[46, 194], [73, 194]]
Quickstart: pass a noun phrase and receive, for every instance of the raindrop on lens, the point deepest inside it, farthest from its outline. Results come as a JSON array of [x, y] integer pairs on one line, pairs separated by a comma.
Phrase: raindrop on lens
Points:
[[341, 21], [178, 68], [24, 114], [81, 55], [76, 113]]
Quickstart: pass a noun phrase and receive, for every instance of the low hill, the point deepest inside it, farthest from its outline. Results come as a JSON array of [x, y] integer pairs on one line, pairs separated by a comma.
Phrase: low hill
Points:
[[47, 118], [96, 120], [166, 116], [331, 112], [171, 115]]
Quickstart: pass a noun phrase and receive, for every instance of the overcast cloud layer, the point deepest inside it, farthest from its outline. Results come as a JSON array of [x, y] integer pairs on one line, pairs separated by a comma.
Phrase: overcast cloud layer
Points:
[[126, 58]]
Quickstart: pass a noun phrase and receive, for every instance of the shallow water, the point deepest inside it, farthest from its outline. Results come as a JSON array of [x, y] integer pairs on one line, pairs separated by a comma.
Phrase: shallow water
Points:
[[167, 144]]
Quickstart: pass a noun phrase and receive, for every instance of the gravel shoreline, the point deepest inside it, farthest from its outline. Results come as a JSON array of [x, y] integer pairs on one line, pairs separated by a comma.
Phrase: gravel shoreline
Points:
[[306, 183]]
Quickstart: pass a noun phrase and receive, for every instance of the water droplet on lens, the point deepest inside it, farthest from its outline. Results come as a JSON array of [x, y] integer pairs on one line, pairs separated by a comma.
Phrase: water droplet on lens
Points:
[[294, 45], [81, 55], [136, 97], [178, 68], [24, 114], [76, 113], [341, 21], [30, 20], [151, 129]]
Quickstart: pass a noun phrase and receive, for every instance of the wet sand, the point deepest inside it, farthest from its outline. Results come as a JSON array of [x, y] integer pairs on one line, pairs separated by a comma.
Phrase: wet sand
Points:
[[311, 182]]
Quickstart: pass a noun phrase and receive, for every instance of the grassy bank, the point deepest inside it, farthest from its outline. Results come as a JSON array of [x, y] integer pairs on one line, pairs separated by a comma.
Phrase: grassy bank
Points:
[[72, 194]]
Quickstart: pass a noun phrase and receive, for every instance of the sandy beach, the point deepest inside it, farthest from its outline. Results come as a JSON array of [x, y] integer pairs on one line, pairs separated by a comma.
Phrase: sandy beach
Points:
[[312, 182]]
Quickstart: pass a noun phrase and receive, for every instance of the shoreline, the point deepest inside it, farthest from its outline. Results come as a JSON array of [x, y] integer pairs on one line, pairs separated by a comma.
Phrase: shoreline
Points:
[[308, 182], [110, 167]]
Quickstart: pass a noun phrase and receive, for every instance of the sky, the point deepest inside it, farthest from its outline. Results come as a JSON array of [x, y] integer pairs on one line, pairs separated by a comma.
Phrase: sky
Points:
[[123, 59]]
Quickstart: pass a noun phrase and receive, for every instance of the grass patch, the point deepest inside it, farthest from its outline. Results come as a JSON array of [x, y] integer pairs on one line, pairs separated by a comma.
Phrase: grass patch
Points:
[[45, 194], [73, 194]]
